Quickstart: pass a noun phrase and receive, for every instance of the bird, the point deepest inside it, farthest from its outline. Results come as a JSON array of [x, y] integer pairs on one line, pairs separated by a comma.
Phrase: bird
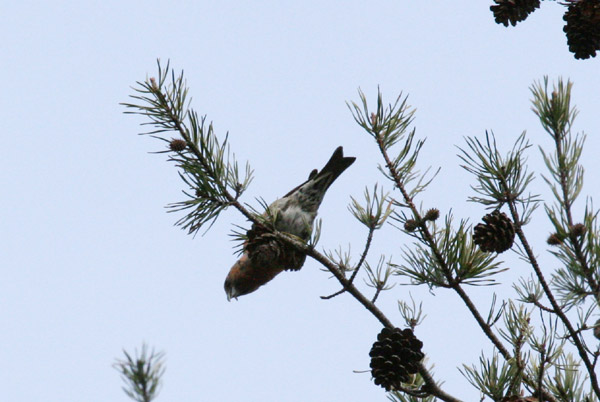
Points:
[[264, 255]]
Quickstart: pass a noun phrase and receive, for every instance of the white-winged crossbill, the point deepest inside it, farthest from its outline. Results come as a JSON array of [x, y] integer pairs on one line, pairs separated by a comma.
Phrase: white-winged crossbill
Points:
[[264, 256]]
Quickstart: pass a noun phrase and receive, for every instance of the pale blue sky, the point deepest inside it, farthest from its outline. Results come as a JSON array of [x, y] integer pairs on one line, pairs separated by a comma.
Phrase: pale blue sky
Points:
[[93, 264]]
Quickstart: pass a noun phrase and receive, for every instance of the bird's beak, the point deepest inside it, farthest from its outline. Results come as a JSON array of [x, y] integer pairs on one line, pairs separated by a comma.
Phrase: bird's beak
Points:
[[231, 293]]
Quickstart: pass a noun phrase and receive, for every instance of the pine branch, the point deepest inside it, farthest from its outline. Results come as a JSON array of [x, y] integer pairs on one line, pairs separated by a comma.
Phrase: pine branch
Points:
[[214, 178], [388, 128], [503, 181], [431, 385], [445, 257], [557, 117], [206, 165], [142, 374]]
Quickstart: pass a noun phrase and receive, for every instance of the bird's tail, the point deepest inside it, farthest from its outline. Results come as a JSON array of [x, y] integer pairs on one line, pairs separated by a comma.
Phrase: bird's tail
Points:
[[318, 182], [333, 169]]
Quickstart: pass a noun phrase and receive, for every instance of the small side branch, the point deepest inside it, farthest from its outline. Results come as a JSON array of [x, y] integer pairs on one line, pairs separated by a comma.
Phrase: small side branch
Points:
[[358, 265]]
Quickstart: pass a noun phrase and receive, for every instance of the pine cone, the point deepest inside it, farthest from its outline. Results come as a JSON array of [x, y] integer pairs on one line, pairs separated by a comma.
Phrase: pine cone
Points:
[[513, 11], [578, 230], [177, 145], [432, 214], [497, 234], [555, 239], [411, 225], [583, 27], [395, 356]]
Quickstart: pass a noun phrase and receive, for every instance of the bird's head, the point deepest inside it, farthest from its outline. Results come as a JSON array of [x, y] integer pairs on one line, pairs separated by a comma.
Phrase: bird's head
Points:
[[237, 282], [245, 276], [230, 289]]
